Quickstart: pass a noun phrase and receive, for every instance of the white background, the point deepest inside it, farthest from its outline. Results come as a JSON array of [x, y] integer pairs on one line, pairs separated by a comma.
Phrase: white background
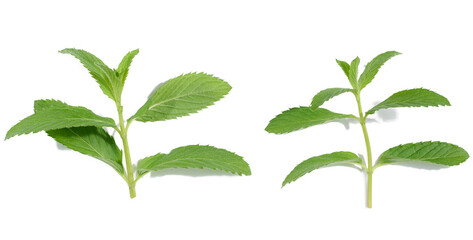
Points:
[[276, 55]]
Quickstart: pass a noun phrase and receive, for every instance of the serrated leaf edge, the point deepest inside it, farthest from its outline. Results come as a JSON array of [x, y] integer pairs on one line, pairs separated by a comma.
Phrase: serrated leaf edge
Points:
[[135, 117], [414, 160], [370, 112], [215, 169], [285, 182]]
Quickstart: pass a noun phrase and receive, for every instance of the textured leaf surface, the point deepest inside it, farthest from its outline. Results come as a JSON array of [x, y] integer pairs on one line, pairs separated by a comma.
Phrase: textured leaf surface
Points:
[[56, 115], [106, 77], [182, 96], [345, 67], [92, 141], [432, 152], [353, 74], [418, 97], [301, 117], [373, 67], [326, 95], [196, 156], [313, 163], [124, 65], [146, 163]]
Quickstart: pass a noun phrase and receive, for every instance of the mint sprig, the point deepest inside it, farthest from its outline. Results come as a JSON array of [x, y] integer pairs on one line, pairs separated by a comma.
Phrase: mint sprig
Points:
[[441, 153], [79, 129]]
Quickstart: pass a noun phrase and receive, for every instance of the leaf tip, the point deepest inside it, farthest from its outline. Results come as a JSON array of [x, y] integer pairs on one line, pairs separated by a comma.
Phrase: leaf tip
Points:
[[269, 129], [65, 50], [9, 134], [285, 182]]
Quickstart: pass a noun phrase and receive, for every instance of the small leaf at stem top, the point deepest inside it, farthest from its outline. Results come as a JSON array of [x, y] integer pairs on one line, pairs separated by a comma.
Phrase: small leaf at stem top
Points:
[[346, 69], [373, 67], [124, 65], [353, 74], [108, 81]]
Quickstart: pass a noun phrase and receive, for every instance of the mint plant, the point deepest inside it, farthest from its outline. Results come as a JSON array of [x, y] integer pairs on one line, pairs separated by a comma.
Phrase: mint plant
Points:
[[429, 152], [79, 129]]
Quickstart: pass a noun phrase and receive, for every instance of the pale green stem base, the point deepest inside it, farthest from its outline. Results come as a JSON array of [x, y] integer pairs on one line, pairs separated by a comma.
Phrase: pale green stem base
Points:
[[369, 168], [129, 168], [370, 191], [132, 191]]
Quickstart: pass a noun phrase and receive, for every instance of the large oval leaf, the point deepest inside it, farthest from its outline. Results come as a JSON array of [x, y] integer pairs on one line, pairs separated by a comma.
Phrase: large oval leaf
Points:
[[431, 152], [182, 96], [301, 117], [417, 97], [92, 141], [58, 115], [313, 163], [196, 156]]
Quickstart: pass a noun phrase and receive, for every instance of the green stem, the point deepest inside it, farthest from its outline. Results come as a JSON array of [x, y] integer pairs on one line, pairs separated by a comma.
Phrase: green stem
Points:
[[369, 171], [129, 168]]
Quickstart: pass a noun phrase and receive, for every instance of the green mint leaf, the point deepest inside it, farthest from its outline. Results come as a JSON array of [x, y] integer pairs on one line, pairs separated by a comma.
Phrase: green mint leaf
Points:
[[124, 65], [182, 96], [58, 115], [92, 141], [346, 69], [353, 74], [301, 117], [106, 77], [431, 152], [196, 156], [373, 67], [313, 163], [326, 95], [417, 97], [145, 163]]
